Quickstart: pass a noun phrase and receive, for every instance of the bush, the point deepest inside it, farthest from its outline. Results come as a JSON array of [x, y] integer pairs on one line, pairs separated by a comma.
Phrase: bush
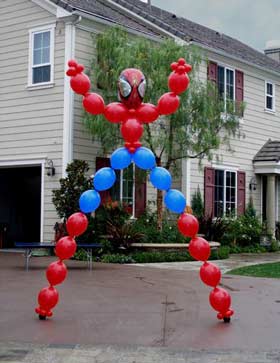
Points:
[[66, 198], [221, 253], [147, 226], [197, 204], [245, 230], [116, 258], [213, 230]]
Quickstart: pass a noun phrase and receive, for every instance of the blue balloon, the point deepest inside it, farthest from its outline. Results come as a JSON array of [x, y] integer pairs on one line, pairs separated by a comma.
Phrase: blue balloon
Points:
[[89, 201], [144, 158], [121, 158], [104, 179], [175, 201], [161, 178]]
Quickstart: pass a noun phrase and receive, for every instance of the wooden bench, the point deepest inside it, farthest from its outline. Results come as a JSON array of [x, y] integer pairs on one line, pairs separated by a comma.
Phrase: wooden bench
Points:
[[30, 246]]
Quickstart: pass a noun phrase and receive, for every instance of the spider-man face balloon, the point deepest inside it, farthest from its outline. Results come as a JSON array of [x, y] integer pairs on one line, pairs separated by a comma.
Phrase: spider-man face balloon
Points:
[[131, 87]]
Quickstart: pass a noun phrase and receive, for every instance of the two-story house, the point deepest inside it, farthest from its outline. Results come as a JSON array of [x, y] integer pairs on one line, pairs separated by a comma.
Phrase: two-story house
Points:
[[40, 118]]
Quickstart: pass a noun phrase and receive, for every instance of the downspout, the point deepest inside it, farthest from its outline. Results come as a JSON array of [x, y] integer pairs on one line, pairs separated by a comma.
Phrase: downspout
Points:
[[68, 114]]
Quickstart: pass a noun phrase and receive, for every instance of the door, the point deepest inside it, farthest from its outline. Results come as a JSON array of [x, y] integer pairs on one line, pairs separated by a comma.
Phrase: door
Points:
[[20, 205]]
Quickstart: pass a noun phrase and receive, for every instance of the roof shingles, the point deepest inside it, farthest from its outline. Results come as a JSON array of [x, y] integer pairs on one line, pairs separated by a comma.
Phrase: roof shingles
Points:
[[269, 152], [178, 26]]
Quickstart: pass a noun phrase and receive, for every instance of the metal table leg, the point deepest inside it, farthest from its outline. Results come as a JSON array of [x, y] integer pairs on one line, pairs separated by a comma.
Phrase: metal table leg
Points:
[[28, 254]]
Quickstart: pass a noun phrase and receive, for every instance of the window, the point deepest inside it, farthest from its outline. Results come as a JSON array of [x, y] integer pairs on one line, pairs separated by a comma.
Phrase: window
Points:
[[269, 96], [123, 190], [225, 83], [41, 56], [224, 193], [230, 86]]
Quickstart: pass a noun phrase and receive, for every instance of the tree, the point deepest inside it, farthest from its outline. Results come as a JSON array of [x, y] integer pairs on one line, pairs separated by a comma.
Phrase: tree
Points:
[[192, 132], [66, 199]]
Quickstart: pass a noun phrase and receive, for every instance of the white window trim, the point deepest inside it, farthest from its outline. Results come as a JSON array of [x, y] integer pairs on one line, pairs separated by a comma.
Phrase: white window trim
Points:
[[269, 110], [51, 28], [225, 83], [231, 170], [133, 191]]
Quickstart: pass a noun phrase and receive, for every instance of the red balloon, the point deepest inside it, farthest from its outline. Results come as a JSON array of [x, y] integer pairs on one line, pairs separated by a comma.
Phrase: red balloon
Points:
[[132, 130], [56, 273], [199, 249], [76, 224], [168, 103], [147, 113], [93, 103], [72, 63], [178, 83], [48, 298], [210, 274], [220, 300], [80, 83], [188, 225], [65, 248], [115, 112]]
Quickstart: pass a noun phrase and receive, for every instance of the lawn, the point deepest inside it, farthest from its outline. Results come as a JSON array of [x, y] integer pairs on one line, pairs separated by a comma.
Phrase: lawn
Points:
[[264, 270]]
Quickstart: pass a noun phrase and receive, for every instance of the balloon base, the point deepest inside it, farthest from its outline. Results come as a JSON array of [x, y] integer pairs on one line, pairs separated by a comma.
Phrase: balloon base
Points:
[[226, 319], [42, 317]]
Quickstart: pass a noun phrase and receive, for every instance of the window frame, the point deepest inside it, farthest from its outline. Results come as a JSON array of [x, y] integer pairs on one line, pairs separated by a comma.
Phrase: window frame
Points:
[[133, 190], [268, 95], [225, 82], [225, 170], [121, 190], [32, 32]]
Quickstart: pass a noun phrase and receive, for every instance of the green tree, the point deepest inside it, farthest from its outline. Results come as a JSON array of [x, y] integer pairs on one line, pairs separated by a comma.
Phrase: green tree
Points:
[[66, 199], [192, 132]]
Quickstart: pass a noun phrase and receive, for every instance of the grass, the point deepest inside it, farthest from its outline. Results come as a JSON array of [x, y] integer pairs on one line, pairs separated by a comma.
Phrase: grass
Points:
[[271, 270]]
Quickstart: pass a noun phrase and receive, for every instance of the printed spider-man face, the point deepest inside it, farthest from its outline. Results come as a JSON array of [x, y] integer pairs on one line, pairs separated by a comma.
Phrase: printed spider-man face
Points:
[[131, 87]]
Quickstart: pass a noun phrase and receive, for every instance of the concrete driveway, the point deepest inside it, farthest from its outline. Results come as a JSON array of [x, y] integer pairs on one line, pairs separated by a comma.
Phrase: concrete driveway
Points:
[[134, 309]]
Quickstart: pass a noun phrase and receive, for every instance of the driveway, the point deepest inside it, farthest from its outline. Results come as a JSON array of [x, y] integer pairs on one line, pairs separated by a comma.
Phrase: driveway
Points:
[[134, 314]]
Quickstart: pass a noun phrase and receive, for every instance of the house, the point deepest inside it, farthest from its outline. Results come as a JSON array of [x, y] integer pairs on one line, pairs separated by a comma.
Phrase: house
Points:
[[40, 117]]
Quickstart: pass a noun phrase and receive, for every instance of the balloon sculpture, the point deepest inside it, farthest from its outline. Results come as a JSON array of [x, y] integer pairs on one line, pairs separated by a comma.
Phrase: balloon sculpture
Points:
[[132, 113]]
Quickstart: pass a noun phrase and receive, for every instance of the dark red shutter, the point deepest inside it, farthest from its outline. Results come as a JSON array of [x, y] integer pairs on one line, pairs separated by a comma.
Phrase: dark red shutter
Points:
[[140, 192], [239, 90], [241, 192], [209, 189], [102, 163], [212, 72]]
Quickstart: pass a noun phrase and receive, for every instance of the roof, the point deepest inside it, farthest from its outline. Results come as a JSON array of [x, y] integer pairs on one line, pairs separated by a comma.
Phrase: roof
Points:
[[106, 11], [269, 152], [176, 25]]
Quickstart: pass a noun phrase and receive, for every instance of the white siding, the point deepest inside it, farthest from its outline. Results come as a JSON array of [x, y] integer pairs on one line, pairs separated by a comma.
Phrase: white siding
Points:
[[83, 146], [31, 121], [257, 126]]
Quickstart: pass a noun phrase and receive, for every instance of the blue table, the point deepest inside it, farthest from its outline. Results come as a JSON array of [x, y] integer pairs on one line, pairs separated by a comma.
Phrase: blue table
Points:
[[30, 246]]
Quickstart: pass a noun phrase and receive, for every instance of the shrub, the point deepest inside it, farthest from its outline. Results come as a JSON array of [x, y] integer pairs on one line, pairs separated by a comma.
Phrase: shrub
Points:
[[122, 235], [197, 204], [245, 230], [147, 225], [66, 198], [213, 230], [116, 258], [220, 254]]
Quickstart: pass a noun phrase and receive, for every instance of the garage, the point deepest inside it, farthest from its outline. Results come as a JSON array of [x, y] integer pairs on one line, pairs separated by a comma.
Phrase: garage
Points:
[[20, 205]]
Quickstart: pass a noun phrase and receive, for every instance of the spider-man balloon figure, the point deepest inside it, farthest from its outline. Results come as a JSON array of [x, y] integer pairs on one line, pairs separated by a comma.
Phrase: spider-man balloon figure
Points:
[[131, 112]]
